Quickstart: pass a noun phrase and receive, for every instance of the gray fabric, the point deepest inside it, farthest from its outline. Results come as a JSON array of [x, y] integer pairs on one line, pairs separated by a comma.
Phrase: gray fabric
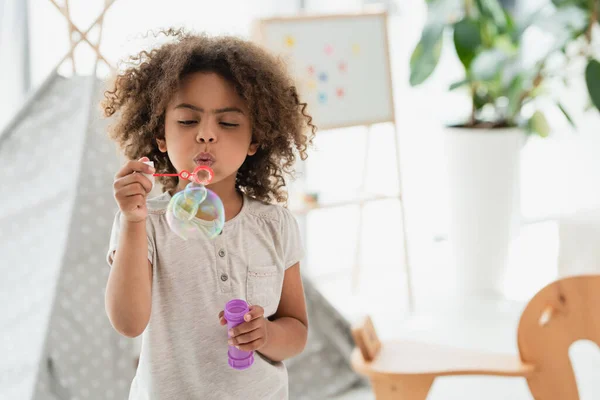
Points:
[[55, 214], [323, 369]]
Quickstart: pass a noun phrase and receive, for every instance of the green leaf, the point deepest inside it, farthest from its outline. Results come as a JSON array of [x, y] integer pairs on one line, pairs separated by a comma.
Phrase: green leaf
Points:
[[513, 93], [539, 91], [488, 33], [566, 114], [511, 27], [481, 98], [504, 43], [592, 78], [426, 55], [458, 84], [467, 40], [539, 125], [583, 4], [561, 3], [488, 64], [493, 10], [444, 12]]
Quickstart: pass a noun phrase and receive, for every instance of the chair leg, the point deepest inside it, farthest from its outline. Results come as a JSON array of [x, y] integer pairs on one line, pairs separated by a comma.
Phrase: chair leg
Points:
[[402, 388]]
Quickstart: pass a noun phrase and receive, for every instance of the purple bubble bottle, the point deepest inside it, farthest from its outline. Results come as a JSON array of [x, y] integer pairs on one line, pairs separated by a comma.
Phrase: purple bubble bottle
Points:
[[234, 314]]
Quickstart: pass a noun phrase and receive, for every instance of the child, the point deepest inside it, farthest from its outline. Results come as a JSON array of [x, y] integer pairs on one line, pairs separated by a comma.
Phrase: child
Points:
[[226, 103]]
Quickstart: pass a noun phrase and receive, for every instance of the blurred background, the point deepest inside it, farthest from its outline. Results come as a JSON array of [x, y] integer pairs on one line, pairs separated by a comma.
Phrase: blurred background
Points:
[[494, 136]]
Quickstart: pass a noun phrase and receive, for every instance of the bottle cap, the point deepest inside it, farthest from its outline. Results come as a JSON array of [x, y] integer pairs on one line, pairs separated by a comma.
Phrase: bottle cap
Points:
[[149, 176], [241, 363]]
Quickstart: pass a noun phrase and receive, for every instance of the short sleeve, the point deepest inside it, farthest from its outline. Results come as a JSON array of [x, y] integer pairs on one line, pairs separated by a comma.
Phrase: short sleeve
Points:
[[114, 240], [293, 250]]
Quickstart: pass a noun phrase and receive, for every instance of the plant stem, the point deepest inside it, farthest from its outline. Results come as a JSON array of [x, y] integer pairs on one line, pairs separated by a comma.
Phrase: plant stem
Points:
[[472, 120], [593, 19], [537, 81], [468, 8]]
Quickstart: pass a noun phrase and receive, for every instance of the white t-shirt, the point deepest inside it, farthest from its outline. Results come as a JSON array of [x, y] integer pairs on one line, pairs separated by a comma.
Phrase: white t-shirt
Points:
[[184, 348]]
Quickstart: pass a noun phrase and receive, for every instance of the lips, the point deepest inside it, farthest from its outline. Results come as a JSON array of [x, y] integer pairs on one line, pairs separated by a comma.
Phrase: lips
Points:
[[204, 159], [206, 163]]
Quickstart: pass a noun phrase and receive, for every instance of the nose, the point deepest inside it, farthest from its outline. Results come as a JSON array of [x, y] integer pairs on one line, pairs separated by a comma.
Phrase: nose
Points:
[[206, 135]]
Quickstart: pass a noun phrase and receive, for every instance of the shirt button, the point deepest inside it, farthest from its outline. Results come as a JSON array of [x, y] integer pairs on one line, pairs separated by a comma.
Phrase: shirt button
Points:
[[224, 277], [221, 253]]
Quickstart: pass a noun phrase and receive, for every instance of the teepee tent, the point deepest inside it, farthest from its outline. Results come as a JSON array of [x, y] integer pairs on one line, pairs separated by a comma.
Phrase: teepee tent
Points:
[[56, 215]]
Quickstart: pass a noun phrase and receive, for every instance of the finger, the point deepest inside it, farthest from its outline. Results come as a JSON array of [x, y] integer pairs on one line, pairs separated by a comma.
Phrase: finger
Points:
[[134, 166], [255, 312], [246, 337], [245, 327], [131, 190], [133, 178], [255, 345], [222, 319]]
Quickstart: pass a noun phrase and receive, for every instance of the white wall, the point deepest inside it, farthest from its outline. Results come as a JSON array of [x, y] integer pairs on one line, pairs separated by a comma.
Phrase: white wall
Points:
[[13, 59]]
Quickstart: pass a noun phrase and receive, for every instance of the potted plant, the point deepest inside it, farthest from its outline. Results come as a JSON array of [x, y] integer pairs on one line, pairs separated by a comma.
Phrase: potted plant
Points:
[[509, 100]]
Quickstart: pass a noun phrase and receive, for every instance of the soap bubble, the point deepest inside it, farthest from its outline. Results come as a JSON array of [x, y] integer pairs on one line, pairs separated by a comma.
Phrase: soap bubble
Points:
[[183, 208], [195, 192], [196, 211]]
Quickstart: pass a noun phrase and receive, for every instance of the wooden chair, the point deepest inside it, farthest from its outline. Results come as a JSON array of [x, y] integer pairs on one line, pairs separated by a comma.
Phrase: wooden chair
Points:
[[560, 314]]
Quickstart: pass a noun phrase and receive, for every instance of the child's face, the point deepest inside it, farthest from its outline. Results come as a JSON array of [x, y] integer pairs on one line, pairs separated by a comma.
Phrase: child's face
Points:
[[206, 115]]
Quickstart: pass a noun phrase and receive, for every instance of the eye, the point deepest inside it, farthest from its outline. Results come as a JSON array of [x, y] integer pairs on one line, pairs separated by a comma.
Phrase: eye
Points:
[[229, 125], [187, 123]]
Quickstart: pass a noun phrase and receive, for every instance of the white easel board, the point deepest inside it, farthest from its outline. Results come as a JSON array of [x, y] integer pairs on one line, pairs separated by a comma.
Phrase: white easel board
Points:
[[340, 62]]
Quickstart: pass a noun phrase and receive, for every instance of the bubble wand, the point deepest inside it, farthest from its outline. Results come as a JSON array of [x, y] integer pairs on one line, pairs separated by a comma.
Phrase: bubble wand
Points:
[[194, 176]]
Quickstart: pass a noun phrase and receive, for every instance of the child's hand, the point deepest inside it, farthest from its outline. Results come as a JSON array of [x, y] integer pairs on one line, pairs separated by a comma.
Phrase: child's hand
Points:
[[131, 189], [222, 319], [251, 334]]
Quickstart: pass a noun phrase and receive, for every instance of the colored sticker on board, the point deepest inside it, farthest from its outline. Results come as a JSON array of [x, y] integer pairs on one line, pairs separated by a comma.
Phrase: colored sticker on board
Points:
[[356, 49], [323, 77], [340, 92], [328, 49], [322, 98], [342, 66], [311, 70], [290, 41], [312, 85]]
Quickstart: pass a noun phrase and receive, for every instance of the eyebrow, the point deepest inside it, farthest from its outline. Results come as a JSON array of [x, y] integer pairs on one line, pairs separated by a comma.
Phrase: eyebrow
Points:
[[216, 111]]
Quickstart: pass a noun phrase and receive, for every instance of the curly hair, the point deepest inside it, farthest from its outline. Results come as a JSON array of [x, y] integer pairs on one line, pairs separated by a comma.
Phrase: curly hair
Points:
[[279, 120]]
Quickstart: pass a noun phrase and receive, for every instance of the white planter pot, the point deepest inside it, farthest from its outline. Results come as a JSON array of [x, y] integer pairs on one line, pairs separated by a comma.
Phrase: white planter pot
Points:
[[483, 168]]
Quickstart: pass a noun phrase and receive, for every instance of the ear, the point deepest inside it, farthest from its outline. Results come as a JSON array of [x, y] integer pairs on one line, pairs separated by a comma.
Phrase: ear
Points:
[[253, 148], [162, 145]]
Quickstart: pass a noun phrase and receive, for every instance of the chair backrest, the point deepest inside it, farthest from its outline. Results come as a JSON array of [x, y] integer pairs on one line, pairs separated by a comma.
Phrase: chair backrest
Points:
[[560, 314], [366, 338]]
